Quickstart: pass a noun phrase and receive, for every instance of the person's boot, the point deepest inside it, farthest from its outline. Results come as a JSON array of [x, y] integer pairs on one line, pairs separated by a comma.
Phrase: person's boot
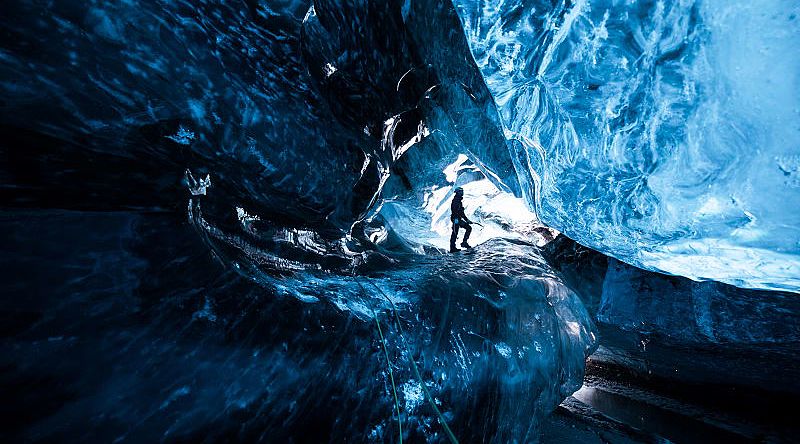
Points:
[[453, 248], [465, 245]]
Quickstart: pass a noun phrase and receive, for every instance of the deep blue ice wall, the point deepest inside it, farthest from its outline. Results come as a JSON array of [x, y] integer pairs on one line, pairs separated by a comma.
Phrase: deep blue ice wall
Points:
[[697, 334], [105, 105], [179, 186], [394, 70], [122, 326]]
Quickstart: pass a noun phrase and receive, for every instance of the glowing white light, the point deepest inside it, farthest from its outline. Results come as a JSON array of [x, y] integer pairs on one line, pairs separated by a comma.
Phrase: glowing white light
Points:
[[501, 213], [451, 171], [310, 13], [244, 217], [574, 328]]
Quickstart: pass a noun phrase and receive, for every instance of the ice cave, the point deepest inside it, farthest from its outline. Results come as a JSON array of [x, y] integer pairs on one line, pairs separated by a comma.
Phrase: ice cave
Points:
[[230, 221]]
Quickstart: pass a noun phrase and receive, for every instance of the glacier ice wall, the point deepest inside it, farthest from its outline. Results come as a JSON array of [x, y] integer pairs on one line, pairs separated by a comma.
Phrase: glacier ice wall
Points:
[[185, 188], [698, 332], [145, 91], [664, 133], [676, 329]]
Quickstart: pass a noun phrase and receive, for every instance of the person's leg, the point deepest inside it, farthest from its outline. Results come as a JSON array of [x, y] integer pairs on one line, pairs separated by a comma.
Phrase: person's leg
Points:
[[453, 237], [467, 231]]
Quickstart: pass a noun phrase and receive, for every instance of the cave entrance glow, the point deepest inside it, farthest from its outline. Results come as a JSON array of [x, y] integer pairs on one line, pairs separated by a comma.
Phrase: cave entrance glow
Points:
[[425, 218]]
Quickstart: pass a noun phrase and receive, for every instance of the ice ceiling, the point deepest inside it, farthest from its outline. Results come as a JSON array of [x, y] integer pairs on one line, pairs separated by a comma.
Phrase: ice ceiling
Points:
[[662, 133], [666, 134], [652, 132]]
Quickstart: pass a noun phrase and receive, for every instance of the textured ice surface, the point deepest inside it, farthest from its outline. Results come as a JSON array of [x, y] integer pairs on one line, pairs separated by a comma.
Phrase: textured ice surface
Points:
[[692, 313], [664, 133], [191, 189], [699, 332], [137, 333], [122, 98], [675, 328]]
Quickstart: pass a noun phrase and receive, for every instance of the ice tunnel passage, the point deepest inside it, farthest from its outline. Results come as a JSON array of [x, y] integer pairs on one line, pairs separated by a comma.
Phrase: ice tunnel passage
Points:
[[227, 221]]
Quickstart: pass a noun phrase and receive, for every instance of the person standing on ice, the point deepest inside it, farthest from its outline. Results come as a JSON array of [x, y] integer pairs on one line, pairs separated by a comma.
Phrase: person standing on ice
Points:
[[459, 219]]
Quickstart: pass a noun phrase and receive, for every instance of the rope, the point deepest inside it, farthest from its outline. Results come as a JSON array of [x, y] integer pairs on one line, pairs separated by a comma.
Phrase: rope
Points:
[[450, 435], [388, 365]]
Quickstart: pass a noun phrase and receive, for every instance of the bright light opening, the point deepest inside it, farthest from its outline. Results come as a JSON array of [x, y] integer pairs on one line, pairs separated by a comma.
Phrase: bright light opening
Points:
[[501, 214]]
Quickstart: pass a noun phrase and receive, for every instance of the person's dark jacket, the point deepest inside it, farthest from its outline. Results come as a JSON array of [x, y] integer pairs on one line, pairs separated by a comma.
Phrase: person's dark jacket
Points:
[[457, 210]]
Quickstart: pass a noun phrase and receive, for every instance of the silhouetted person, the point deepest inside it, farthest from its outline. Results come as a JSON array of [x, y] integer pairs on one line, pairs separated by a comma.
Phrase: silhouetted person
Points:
[[459, 220]]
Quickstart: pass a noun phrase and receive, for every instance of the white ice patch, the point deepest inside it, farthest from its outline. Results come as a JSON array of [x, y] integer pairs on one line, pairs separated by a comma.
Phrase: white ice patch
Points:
[[413, 395], [183, 136], [574, 328], [244, 217], [197, 187], [451, 171], [503, 349], [310, 13]]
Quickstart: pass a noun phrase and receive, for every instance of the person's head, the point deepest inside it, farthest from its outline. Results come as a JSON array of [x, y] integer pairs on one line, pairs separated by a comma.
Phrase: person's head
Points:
[[459, 192]]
